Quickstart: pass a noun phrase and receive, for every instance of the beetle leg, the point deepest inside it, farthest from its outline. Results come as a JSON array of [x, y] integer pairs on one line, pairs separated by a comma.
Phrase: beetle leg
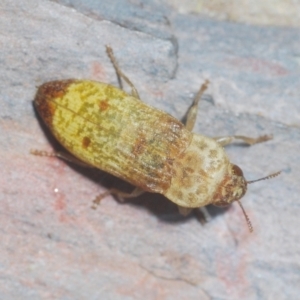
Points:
[[135, 193], [187, 210], [120, 74], [184, 211], [225, 140], [205, 213], [65, 156], [193, 110]]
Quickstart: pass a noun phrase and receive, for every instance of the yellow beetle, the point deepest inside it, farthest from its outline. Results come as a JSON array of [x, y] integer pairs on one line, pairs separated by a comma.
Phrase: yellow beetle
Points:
[[104, 127]]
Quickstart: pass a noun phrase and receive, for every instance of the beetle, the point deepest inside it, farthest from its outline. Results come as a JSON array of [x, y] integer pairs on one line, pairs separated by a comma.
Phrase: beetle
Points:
[[104, 127]]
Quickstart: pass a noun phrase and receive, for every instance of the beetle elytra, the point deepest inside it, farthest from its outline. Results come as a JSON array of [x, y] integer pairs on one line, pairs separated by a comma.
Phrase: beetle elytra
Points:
[[106, 128]]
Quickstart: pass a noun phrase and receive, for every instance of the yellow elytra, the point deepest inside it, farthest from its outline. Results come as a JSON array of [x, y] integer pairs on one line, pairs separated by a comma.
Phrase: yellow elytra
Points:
[[106, 128]]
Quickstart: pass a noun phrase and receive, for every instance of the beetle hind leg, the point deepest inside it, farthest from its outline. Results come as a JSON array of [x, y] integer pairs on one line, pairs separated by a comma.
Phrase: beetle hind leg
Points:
[[120, 74], [135, 193], [65, 156]]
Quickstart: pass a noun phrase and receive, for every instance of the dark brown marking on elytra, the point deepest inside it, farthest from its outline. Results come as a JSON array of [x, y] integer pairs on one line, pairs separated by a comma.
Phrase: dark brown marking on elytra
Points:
[[44, 98], [103, 105], [86, 141], [139, 145]]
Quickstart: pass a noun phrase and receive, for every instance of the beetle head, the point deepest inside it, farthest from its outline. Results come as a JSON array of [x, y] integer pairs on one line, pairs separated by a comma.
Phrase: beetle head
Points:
[[234, 187]]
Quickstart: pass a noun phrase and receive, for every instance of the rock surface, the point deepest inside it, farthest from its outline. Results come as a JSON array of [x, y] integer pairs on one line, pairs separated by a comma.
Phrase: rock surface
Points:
[[54, 246]]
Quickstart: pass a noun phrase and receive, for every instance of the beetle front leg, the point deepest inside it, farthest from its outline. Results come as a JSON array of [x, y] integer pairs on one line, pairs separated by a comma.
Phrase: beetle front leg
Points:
[[120, 74], [193, 110], [225, 140], [135, 193], [184, 211]]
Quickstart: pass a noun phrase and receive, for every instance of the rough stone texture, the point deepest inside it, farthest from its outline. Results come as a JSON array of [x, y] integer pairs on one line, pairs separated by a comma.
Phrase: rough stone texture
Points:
[[267, 12], [54, 246]]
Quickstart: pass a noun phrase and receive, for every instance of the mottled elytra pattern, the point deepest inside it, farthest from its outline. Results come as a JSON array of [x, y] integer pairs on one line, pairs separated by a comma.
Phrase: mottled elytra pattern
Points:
[[104, 127]]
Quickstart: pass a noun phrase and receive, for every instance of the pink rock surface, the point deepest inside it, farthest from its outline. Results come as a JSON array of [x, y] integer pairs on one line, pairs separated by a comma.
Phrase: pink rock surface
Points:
[[54, 246]]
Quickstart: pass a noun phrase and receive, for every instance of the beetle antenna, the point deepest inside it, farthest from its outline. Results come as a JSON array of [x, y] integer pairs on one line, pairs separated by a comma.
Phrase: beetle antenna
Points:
[[240, 204], [246, 216], [264, 178]]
